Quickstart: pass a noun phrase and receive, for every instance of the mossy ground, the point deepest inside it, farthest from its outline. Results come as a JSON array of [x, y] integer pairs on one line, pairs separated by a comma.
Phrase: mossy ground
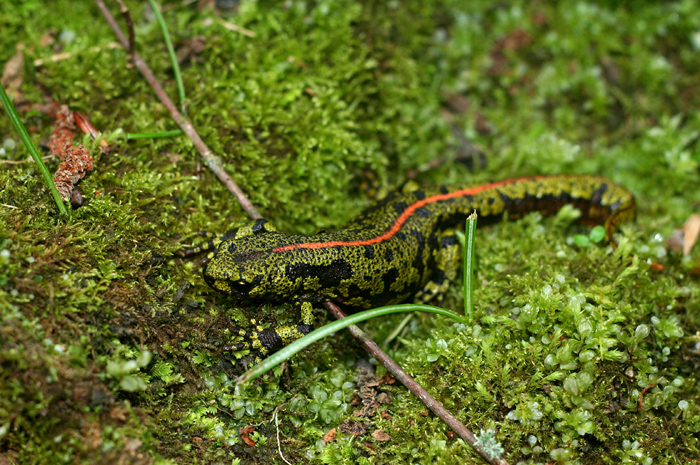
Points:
[[326, 98]]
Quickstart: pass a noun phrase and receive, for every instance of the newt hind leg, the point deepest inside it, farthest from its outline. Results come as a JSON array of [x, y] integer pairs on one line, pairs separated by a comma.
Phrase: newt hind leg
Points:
[[447, 259], [210, 246]]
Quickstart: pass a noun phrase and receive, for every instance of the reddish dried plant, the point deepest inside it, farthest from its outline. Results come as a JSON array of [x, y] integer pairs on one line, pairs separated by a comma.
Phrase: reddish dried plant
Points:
[[76, 161]]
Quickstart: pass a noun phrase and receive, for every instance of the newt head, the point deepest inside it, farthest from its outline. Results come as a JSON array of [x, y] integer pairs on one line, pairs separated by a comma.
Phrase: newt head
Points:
[[249, 269]]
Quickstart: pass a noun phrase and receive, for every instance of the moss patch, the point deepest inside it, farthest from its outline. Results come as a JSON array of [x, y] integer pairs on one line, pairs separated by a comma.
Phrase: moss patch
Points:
[[110, 343]]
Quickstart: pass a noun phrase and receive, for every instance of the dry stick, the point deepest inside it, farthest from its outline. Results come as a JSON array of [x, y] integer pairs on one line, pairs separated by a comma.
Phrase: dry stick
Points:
[[212, 161], [124, 10], [214, 164], [413, 386]]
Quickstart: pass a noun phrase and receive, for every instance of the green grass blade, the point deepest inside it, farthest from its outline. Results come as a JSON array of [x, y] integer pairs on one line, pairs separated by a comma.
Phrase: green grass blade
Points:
[[469, 247], [33, 151], [298, 345], [153, 135], [171, 52]]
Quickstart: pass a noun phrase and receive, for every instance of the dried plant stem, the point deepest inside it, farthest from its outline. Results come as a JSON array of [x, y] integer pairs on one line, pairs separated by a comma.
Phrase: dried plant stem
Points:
[[212, 161]]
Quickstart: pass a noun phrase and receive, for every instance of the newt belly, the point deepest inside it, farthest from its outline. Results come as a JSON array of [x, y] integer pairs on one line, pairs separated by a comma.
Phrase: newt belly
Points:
[[403, 247]]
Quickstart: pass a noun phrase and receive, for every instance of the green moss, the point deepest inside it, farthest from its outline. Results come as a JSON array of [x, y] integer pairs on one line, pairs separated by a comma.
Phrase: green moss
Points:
[[326, 98]]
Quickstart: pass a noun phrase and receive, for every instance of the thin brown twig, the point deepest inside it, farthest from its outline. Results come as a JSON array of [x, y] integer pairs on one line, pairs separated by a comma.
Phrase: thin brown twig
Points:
[[212, 161], [644, 391], [26, 160], [414, 387], [124, 10]]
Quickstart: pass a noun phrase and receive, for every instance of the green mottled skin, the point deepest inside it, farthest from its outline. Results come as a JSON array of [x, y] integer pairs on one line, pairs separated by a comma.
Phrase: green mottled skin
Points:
[[368, 264]]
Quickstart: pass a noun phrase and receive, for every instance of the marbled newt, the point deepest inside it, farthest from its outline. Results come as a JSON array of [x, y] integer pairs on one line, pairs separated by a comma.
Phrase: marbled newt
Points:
[[402, 248]]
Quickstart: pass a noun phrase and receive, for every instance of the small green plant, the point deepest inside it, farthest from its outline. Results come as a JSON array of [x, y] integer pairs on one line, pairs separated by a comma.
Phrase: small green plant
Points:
[[165, 371], [125, 372], [596, 234]]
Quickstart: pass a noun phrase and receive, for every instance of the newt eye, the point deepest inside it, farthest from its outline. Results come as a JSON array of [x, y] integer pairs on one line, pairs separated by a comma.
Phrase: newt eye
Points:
[[242, 286]]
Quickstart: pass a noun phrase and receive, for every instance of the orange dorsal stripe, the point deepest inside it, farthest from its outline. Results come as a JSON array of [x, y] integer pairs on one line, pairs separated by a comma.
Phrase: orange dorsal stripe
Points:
[[403, 217]]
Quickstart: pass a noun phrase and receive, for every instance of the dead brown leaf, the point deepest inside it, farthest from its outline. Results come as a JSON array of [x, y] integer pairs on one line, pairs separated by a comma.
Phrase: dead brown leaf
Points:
[[381, 435], [245, 435], [353, 427], [330, 435], [173, 157]]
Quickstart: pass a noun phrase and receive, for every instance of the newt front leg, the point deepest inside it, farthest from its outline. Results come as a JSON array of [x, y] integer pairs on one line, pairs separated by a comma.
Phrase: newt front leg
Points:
[[269, 340]]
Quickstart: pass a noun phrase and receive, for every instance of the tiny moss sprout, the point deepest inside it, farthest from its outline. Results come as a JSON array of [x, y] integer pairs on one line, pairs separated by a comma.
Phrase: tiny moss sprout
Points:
[[488, 442], [125, 372], [166, 372], [528, 413]]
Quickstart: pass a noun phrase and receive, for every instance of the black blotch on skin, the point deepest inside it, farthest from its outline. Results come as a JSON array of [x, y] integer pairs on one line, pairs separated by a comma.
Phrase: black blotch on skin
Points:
[[448, 241], [389, 255], [230, 234], [330, 275], [422, 213], [439, 277], [420, 195], [418, 263], [241, 256], [549, 204], [506, 200], [389, 277], [400, 207], [259, 226], [527, 202], [417, 234], [433, 240], [369, 252], [387, 295], [354, 290], [597, 196], [270, 340]]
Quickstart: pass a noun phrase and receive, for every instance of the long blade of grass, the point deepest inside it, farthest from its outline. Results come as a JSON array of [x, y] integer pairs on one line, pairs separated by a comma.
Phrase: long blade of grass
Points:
[[469, 247], [171, 53], [24, 135], [298, 345]]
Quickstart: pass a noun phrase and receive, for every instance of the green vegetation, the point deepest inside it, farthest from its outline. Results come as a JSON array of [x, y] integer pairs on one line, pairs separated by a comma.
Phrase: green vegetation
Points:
[[110, 343]]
